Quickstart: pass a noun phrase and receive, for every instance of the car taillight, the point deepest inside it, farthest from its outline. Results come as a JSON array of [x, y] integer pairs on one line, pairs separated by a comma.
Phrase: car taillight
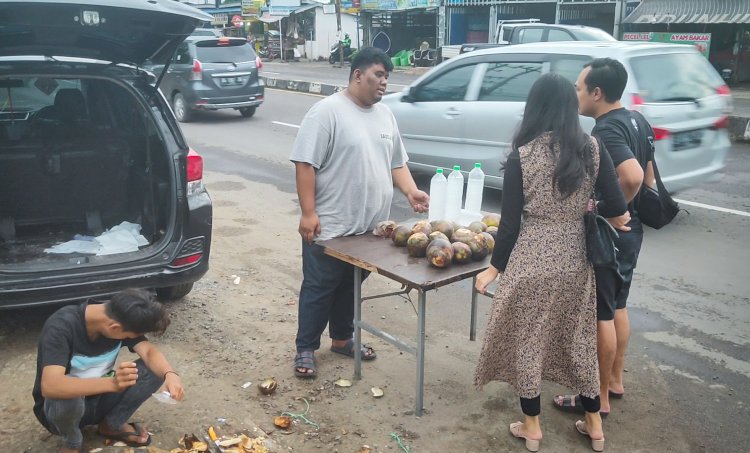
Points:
[[197, 73], [636, 101], [186, 260], [726, 94], [721, 123], [661, 133], [194, 173], [258, 63]]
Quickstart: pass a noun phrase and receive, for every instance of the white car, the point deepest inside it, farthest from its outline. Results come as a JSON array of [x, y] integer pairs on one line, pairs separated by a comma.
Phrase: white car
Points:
[[467, 109]]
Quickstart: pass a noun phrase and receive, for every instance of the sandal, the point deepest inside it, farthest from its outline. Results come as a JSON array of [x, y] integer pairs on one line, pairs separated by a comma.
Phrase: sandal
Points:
[[572, 403], [126, 437], [531, 444], [616, 395], [306, 361], [368, 353], [596, 444]]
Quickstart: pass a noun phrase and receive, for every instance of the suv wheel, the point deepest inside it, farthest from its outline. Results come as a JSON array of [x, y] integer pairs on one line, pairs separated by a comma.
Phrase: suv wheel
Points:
[[174, 292], [247, 112], [181, 110]]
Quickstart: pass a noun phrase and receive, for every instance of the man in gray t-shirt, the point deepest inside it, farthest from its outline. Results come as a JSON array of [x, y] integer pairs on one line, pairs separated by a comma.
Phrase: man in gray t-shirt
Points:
[[348, 156]]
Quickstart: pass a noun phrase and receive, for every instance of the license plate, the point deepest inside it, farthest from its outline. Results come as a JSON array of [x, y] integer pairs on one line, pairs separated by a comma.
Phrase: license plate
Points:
[[230, 81], [685, 140]]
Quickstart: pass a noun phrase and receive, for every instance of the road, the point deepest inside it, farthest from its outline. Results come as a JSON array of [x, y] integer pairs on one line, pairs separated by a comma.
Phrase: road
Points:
[[688, 365], [689, 306]]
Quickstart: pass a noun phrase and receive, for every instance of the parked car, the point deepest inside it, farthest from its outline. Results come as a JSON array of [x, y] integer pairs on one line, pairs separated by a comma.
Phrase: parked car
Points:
[[88, 145], [467, 109], [213, 32], [510, 32], [210, 73]]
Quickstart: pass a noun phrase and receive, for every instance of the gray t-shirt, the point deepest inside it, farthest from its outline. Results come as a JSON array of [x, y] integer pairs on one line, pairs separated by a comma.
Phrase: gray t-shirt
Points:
[[353, 151]]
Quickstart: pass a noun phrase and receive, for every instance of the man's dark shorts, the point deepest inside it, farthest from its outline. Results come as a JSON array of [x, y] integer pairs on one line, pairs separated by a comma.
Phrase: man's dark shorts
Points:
[[611, 291]]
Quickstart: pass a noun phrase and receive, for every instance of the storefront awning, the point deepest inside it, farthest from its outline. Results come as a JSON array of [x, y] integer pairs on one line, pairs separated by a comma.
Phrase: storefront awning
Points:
[[691, 12]]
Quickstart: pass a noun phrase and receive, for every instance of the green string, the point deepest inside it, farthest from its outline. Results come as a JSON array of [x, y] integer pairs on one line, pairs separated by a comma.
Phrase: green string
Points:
[[302, 416], [400, 443]]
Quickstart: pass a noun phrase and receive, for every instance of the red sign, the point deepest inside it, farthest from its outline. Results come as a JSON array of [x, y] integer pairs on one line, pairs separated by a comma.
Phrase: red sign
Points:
[[237, 21]]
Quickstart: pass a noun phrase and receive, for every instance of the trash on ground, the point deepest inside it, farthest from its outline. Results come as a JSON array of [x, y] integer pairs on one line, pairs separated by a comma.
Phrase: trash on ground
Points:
[[343, 383], [246, 385], [123, 238], [119, 444], [237, 280], [283, 422], [377, 392], [268, 386]]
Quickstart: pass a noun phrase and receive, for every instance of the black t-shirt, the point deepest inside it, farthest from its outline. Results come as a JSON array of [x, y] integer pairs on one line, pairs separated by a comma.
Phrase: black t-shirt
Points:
[[64, 341], [626, 134]]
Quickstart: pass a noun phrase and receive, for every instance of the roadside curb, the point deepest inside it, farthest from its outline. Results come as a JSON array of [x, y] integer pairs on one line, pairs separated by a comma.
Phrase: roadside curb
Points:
[[323, 89], [738, 125]]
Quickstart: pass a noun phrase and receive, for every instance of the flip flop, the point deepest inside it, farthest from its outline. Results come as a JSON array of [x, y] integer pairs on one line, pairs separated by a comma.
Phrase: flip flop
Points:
[[368, 353], [127, 436], [306, 360], [572, 403]]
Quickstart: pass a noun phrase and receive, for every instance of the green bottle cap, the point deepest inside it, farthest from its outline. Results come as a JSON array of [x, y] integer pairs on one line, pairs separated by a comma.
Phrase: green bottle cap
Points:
[[439, 171], [477, 165], [457, 167]]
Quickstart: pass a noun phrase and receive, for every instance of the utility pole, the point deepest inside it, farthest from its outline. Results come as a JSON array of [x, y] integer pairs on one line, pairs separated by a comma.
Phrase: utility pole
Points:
[[339, 35]]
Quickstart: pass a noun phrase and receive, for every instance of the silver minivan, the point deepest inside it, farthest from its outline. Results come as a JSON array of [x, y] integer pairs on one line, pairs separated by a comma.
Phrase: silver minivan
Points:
[[467, 109]]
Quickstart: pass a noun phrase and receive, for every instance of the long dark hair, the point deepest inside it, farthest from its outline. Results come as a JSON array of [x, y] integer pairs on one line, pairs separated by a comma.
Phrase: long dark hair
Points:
[[552, 106]]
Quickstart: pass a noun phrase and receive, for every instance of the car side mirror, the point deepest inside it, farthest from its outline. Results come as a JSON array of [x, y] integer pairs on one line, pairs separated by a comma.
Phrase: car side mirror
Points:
[[410, 95]]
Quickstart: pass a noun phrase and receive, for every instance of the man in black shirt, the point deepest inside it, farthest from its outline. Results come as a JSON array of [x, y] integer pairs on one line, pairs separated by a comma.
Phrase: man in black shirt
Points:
[[77, 383], [629, 139]]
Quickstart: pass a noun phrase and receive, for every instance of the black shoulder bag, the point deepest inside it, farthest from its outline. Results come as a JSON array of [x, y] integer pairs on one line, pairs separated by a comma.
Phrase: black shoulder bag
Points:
[[656, 209], [600, 237]]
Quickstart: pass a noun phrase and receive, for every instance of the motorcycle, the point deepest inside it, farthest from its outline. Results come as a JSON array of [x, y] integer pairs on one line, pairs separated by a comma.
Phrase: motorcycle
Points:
[[268, 53], [335, 56]]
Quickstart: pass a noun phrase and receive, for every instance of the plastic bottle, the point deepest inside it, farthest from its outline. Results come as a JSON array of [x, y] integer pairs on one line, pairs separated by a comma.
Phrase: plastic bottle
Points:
[[438, 187], [474, 190], [454, 195]]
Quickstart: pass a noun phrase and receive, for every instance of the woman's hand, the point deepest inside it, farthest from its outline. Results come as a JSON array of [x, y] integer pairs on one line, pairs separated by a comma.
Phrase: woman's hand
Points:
[[486, 277]]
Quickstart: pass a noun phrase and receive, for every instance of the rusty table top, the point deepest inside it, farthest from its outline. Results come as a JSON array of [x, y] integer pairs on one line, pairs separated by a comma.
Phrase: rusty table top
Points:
[[379, 255]]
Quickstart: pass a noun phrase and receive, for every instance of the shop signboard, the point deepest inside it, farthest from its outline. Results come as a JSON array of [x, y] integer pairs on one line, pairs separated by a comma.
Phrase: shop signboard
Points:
[[251, 7], [394, 5], [701, 41], [351, 6]]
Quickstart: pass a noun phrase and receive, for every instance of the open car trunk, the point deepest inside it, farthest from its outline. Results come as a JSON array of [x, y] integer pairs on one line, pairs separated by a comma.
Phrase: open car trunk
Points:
[[79, 156]]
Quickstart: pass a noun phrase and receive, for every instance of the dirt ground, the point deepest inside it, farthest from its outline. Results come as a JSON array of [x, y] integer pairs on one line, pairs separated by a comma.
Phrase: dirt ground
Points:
[[224, 335]]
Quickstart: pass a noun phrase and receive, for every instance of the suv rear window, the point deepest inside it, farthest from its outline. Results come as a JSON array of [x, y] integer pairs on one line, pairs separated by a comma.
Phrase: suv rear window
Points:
[[211, 51], [674, 77]]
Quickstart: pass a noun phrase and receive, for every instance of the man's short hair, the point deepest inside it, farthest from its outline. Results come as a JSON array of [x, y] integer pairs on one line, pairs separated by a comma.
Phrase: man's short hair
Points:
[[137, 311], [609, 75], [369, 56]]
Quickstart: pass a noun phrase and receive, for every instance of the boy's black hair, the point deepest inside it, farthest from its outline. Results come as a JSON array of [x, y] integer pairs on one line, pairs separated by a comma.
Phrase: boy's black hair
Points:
[[609, 75], [368, 56], [137, 311]]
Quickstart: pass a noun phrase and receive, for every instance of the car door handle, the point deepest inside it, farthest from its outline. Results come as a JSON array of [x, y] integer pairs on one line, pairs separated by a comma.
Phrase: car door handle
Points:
[[452, 113]]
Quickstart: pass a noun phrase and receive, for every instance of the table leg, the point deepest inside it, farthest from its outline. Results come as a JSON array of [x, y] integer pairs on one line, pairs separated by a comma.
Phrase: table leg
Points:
[[420, 352], [357, 320], [473, 325]]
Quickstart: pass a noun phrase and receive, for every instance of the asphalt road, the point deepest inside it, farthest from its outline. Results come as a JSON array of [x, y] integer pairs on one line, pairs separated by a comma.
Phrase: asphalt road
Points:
[[690, 305]]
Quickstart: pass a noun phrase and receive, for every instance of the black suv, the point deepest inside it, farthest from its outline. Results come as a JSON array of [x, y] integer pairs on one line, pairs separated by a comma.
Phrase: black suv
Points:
[[99, 190], [212, 73]]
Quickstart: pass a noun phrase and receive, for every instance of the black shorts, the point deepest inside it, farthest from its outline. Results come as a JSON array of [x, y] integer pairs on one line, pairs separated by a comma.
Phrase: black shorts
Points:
[[612, 290]]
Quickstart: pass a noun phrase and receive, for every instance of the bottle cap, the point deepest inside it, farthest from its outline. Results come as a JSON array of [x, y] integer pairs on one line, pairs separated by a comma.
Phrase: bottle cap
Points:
[[457, 167], [439, 171], [477, 165]]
